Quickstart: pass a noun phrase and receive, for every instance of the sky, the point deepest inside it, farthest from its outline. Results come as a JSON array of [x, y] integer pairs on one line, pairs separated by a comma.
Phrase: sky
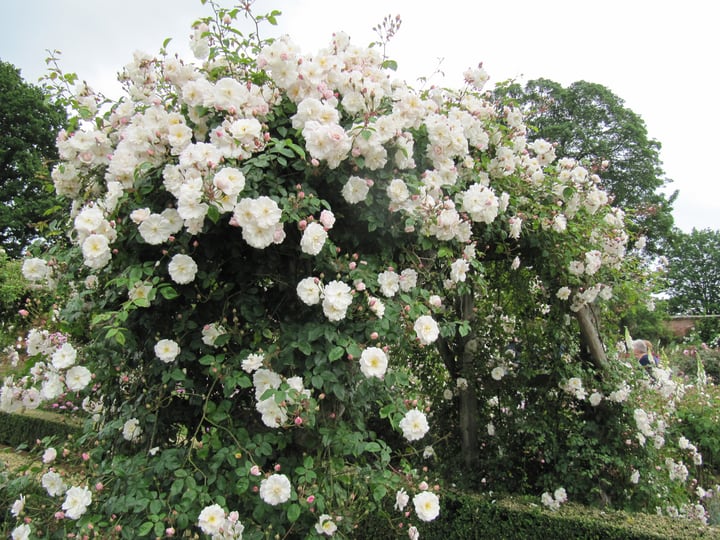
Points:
[[659, 57]]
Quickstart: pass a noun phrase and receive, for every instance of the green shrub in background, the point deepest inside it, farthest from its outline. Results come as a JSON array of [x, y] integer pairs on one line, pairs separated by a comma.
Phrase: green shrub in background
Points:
[[13, 288], [685, 360], [699, 414], [708, 331], [22, 430], [507, 518]]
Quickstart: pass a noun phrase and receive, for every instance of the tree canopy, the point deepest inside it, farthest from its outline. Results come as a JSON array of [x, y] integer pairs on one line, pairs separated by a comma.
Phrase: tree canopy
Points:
[[694, 272], [29, 124], [588, 122]]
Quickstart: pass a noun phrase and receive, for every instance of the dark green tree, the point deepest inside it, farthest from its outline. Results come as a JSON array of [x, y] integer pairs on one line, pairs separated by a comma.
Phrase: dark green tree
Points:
[[29, 124], [588, 122], [694, 272]]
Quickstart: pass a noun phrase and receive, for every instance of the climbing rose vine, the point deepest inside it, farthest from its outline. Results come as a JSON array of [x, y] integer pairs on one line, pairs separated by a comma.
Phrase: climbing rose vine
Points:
[[262, 239]]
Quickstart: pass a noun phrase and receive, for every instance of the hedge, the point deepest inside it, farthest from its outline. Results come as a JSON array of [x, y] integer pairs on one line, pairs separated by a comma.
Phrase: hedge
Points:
[[469, 517], [19, 430]]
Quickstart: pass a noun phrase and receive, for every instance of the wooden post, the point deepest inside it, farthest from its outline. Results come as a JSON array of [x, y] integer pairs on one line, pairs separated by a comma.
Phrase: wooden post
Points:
[[591, 336]]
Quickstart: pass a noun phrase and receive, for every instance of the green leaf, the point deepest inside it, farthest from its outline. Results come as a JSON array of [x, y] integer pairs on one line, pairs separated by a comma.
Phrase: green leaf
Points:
[[145, 528], [336, 353], [141, 302], [339, 390], [177, 486], [387, 410], [354, 350], [213, 213], [372, 446], [293, 512], [390, 64], [120, 337], [207, 360], [168, 292], [155, 506]]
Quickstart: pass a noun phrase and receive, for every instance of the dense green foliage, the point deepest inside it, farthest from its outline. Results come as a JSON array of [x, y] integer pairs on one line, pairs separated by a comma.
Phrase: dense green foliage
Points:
[[24, 431], [12, 290], [694, 272], [29, 124]]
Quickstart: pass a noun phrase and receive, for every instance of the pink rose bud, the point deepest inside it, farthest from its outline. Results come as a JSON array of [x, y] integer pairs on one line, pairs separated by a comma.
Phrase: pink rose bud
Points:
[[24, 312], [310, 499], [255, 470], [277, 467], [374, 335], [298, 421], [302, 224], [423, 485]]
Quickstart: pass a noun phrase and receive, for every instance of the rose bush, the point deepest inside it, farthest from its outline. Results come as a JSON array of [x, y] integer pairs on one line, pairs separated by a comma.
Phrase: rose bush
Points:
[[266, 244]]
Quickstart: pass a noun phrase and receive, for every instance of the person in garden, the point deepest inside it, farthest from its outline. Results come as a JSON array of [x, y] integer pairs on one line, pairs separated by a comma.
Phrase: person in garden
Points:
[[643, 354], [652, 357]]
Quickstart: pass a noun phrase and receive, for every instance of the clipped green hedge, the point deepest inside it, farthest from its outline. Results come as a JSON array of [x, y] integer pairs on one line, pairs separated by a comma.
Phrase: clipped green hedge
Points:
[[19, 430], [469, 517]]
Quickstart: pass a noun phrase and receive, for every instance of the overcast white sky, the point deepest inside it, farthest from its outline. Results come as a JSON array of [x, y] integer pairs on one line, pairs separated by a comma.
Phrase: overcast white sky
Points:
[[659, 57]]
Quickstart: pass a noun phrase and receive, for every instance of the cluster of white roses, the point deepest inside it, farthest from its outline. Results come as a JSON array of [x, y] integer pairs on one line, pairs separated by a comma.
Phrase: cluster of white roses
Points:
[[275, 412], [686, 445], [574, 387], [425, 502], [554, 500], [36, 270], [49, 378], [75, 505], [95, 234], [214, 521]]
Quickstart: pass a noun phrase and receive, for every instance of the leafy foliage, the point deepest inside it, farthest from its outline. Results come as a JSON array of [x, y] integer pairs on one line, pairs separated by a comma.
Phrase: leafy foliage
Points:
[[29, 123], [693, 275]]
